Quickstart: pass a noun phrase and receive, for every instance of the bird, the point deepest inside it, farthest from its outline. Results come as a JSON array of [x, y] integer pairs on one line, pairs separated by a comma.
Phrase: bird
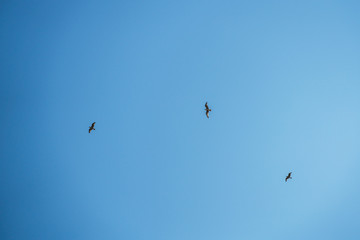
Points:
[[207, 109], [288, 177], [92, 127]]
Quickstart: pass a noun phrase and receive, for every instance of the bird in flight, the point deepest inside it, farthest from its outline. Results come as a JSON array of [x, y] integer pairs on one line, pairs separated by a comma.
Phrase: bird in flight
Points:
[[207, 109], [288, 177], [92, 127]]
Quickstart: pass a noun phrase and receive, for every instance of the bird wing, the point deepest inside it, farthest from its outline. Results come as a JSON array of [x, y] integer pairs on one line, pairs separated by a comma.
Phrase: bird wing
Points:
[[206, 106], [93, 125], [89, 130], [207, 114]]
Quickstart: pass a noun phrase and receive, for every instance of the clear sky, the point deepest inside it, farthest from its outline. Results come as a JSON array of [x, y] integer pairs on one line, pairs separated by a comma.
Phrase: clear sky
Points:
[[282, 78]]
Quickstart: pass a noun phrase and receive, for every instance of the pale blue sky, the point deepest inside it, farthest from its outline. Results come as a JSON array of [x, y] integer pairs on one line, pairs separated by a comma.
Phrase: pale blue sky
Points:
[[282, 78]]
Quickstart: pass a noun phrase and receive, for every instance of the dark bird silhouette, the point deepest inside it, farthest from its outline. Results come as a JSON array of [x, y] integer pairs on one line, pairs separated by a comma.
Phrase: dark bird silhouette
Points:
[[288, 177], [207, 109], [92, 127]]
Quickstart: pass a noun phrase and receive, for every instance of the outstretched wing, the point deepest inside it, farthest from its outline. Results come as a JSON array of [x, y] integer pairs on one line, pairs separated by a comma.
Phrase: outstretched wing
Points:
[[90, 129], [207, 114], [93, 125], [206, 106]]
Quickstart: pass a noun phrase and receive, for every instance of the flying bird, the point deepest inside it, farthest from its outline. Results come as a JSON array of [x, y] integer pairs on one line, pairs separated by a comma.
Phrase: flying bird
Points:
[[288, 177], [92, 127], [207, 109]]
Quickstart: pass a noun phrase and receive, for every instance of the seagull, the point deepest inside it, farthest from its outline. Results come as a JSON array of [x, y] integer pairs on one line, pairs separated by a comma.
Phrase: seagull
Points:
[[207, 109], [288, 177], [92, 127]]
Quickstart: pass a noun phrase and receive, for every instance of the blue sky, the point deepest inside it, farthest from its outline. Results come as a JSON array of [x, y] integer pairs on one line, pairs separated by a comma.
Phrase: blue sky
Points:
[[282, 78]]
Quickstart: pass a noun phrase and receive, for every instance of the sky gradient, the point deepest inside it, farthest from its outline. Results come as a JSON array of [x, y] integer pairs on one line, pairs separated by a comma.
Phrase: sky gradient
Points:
[[282, 78]]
